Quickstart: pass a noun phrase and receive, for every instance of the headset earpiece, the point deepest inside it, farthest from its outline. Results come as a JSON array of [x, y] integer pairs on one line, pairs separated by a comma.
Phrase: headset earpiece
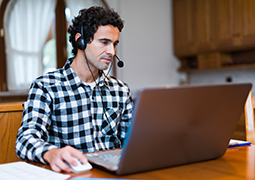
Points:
[[81, 43]]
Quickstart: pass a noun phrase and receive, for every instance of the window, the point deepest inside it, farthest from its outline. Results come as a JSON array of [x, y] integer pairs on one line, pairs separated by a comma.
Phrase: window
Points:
[[26, 24], [48, 57]]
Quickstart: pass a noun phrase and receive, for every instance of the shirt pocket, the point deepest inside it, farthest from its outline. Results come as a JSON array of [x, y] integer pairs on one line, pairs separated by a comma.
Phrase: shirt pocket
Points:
[[111, 120]]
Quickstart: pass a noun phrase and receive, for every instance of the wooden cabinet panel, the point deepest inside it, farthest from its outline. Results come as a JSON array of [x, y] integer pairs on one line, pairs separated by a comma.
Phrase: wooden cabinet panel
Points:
[[224, 21], [248, 22], [204, 25], [193, 26], [236, 24], [183, 17], [213, 26]]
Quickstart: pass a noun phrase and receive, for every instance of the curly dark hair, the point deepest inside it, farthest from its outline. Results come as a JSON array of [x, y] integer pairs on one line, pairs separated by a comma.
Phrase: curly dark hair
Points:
[[91, 19]]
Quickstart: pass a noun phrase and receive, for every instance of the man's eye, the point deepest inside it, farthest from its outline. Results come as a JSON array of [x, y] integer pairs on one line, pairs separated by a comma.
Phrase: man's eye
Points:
[[105, 42]]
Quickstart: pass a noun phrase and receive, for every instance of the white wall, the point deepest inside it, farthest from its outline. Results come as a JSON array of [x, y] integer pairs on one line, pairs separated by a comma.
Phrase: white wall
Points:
[[220, 76], [146, 43], [146, 47]]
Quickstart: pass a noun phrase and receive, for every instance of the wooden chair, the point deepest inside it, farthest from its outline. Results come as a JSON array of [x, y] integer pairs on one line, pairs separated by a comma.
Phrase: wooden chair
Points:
[[249, 118], [10, 120]]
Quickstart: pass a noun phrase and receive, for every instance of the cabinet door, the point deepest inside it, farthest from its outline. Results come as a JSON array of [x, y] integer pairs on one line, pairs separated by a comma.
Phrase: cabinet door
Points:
[[224, 21], [184, 34], [247, 23], [204, 25], [236, 24]]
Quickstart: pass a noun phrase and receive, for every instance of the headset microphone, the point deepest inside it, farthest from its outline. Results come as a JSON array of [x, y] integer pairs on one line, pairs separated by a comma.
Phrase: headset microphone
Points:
[[120, 63]]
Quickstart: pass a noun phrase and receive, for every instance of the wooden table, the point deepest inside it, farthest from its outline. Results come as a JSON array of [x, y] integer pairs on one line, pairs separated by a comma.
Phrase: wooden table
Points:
[[237, 163]]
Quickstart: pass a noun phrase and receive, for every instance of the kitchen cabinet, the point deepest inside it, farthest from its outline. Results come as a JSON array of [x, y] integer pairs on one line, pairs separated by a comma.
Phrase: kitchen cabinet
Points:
[[208, 34]]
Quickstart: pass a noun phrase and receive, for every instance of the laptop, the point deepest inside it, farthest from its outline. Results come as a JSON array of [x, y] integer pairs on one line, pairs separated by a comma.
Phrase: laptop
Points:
[[176, 126]]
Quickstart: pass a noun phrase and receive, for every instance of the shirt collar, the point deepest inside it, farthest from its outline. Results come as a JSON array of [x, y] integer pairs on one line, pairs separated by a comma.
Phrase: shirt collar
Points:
[[74, 81]]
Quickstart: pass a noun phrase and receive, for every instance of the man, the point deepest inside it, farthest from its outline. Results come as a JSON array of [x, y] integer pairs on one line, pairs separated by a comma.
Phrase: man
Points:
[[78, 108]]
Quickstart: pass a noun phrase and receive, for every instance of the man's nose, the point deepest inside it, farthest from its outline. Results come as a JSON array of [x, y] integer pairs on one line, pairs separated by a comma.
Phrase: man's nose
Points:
[[111, 50]]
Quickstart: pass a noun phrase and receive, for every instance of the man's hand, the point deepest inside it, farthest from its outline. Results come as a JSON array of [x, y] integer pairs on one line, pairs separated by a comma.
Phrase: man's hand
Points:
[[57, 157]]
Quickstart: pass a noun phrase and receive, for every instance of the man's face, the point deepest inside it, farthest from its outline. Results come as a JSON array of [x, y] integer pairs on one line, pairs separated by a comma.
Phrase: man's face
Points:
[[102, 49]]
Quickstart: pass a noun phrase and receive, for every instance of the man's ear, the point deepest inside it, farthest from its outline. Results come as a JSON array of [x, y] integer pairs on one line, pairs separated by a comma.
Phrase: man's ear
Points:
[[77, 36], [81, 43]]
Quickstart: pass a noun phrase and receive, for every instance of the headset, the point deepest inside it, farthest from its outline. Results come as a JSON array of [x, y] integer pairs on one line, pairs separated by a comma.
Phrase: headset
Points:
[[81, 42]]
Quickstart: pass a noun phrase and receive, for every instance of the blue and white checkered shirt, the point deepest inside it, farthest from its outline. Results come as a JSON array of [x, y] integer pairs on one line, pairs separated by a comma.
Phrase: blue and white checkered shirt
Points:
[[61, 110]]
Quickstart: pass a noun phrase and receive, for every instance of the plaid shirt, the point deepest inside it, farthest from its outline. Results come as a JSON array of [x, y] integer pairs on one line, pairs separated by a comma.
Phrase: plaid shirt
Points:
[[61, 110]]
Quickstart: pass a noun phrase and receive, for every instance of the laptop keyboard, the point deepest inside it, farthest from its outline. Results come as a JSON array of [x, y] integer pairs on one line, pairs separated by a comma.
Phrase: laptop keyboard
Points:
[[115, 159]]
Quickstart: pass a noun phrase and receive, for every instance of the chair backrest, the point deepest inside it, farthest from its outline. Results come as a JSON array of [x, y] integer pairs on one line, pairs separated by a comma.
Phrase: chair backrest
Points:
[[249, 118], [10, 120]]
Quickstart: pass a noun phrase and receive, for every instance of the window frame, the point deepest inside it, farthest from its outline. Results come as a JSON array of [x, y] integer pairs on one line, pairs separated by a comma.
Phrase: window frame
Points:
[[61, 54], [3, 67], [61, 45]]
